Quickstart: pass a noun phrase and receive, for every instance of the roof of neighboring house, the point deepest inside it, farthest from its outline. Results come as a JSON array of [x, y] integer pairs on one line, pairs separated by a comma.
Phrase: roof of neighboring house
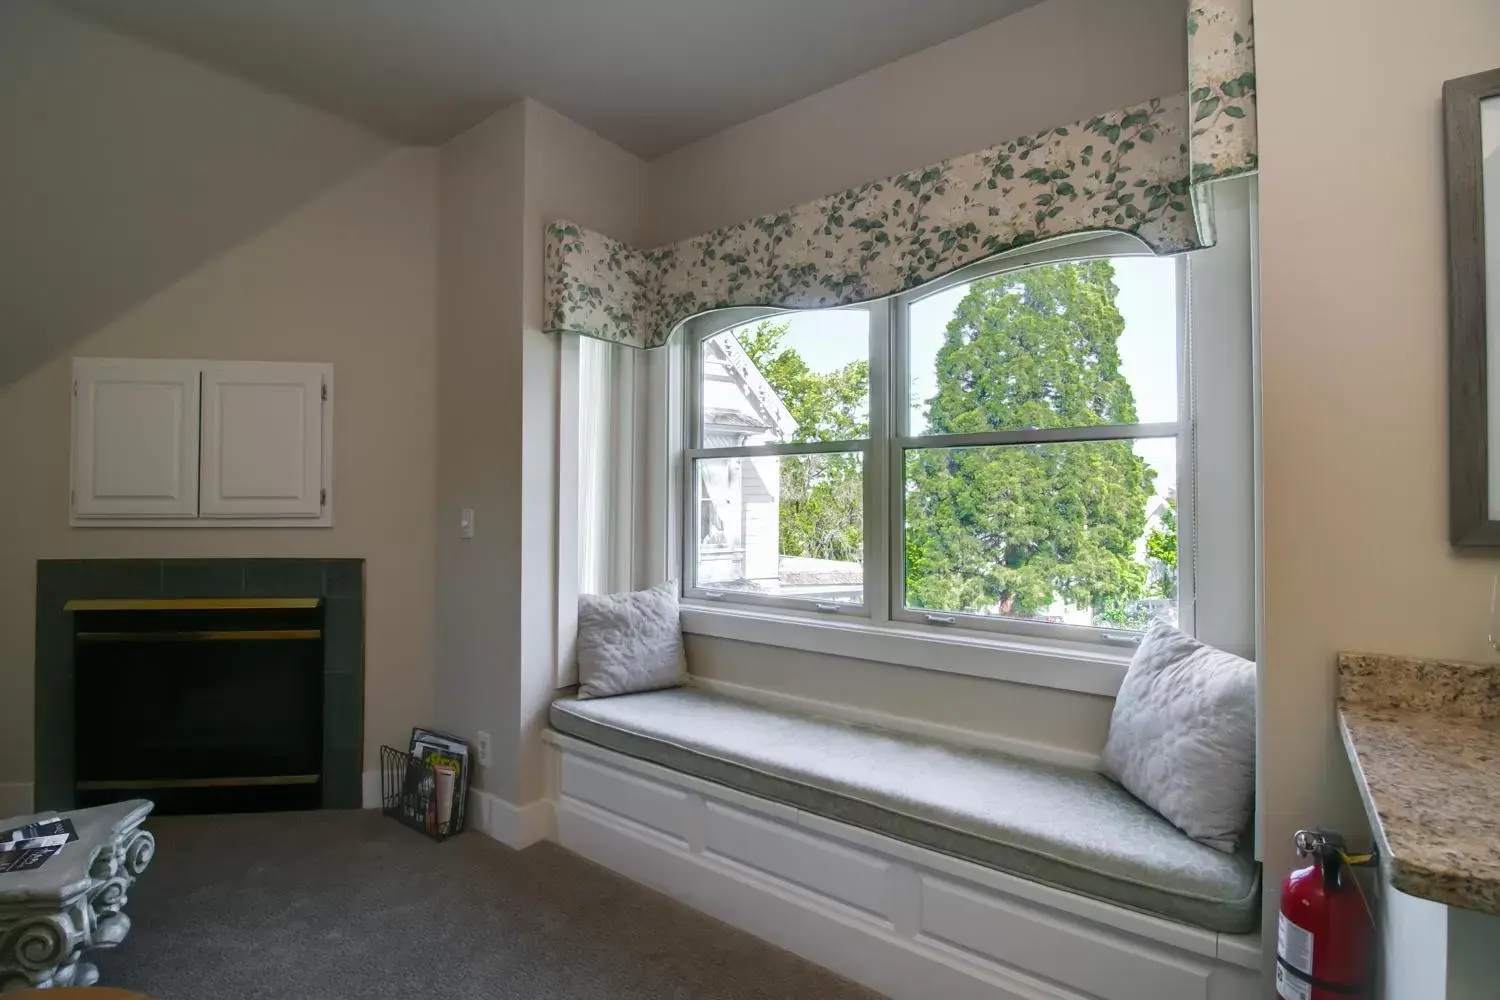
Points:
[[719, 416], [758, 392], [805, 571]]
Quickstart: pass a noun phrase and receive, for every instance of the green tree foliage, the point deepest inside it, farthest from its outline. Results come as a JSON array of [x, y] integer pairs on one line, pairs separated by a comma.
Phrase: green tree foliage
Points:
[[1007, 529], [827, 407], [822, 498], [1161, 547], [1004, 529]]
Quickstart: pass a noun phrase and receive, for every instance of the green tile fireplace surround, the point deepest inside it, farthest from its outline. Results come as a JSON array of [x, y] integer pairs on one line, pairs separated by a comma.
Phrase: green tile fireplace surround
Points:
[[337, 583]]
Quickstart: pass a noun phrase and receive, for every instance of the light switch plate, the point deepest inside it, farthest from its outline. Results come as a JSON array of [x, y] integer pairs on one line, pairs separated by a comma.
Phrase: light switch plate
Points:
[[466, 523]]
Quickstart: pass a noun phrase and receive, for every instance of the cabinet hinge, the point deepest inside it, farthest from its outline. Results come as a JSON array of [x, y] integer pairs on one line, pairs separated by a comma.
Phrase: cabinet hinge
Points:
[[325, 392], [323, 497], [75, 387], [73, 497]]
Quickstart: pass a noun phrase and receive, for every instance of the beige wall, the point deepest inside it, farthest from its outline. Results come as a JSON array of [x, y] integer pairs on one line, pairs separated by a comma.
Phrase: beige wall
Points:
[[126, 167], [479, 436], [1047, 65], [1354, 401], [349, 279], [571, 173], [497, 611]]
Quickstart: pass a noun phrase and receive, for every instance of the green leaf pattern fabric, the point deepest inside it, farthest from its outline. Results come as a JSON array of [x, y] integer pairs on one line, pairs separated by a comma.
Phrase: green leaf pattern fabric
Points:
[[1126, 171], [1131, 170], [597, 286], [1221, 94]]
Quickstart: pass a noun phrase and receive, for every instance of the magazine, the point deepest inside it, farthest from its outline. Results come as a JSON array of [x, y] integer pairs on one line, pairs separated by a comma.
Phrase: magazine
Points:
[[27, 848], [444, 782]]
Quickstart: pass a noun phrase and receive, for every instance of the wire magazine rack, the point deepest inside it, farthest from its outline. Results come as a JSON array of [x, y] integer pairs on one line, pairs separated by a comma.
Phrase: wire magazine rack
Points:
[[412, 793]]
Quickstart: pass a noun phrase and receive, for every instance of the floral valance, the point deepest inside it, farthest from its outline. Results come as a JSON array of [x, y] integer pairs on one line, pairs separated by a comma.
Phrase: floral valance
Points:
[[1133, 170]]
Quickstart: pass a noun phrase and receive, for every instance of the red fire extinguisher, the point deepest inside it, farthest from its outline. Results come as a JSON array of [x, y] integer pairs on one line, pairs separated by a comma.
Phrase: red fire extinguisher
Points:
[[1323, 934]]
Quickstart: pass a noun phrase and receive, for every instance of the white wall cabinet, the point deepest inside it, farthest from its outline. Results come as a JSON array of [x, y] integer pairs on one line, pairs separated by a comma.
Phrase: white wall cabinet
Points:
[[262, 441], [135, 438], [201, 443]]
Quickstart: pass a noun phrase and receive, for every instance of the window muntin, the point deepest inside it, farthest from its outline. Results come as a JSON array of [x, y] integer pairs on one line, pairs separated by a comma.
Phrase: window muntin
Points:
[[1100, 394]]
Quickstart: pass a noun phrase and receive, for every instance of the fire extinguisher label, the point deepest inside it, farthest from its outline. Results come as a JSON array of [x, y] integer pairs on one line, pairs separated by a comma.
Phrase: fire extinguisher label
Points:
[[1288, 987], [1294, 947]]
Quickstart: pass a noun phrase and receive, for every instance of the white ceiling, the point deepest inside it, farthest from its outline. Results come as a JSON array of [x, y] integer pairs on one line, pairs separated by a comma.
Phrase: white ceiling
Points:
[[651, 75]]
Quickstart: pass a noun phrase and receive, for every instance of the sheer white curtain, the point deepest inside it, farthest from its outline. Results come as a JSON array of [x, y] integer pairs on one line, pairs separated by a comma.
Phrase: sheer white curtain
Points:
[[596, 482], [604, 448]]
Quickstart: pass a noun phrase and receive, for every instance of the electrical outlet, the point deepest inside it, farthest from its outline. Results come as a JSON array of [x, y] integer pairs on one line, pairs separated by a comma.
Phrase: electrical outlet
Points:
[[484, 748]]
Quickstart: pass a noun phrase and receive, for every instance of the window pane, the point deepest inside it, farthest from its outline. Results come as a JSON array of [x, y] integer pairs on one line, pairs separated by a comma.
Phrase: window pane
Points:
[[1077, 534], [781, 525], [802, 376], [1073, 344]]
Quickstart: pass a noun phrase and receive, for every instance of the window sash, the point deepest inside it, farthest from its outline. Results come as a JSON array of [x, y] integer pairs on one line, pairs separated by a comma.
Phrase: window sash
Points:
[[1001, 623], [884, 453]]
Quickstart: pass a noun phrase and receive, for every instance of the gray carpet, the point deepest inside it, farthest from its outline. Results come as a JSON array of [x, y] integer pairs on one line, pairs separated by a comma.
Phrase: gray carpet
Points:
[[319, 905]]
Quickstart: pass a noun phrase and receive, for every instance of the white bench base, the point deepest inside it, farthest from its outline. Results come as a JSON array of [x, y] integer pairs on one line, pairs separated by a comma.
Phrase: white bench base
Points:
[[903, 920]]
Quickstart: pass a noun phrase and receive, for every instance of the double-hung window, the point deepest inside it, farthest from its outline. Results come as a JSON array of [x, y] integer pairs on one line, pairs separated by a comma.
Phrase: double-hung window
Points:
[[1057, 444], [1007, 449]]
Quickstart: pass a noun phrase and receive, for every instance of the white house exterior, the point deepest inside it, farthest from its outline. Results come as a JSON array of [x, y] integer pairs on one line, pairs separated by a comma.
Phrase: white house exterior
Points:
[[739, 499]]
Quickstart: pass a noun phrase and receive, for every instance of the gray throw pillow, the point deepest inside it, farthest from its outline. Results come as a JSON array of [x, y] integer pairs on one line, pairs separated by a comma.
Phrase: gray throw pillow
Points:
[[1182, 736], [629, 642]]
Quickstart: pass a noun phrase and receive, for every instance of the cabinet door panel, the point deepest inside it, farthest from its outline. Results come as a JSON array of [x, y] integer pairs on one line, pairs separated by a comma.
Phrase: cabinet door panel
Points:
[[262, 440], [135, 438]]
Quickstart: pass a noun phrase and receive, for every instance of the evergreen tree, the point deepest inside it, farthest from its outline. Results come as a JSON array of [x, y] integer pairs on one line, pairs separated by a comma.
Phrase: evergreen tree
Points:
[[1008, 529], [992, 529]]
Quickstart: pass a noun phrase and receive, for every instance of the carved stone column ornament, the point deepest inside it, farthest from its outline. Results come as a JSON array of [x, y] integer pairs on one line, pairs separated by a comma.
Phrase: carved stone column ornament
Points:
[[75, 902]]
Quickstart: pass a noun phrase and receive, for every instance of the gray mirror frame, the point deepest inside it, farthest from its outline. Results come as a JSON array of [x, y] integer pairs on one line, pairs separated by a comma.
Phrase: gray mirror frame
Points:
[[1469, 522]]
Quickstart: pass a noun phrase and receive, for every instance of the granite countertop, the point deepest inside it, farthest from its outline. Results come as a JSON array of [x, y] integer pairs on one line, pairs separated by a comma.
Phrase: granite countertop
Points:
[[1424, 739]]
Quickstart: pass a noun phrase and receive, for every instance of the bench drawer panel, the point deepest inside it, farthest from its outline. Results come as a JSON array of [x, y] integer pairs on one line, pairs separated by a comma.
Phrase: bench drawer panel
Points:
[[1050, 945], [647, 802], [851, 877]]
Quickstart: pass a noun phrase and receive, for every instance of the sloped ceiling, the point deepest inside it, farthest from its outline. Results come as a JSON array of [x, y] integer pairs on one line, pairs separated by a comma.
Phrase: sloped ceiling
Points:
[[125, 167], [649, 75]]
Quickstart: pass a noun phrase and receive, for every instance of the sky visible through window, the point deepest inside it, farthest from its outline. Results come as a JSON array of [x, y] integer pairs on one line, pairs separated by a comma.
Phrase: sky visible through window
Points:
[[829, 339]]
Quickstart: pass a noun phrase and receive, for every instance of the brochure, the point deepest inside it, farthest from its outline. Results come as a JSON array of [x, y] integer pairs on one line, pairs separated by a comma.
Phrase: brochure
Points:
[[27, 848]]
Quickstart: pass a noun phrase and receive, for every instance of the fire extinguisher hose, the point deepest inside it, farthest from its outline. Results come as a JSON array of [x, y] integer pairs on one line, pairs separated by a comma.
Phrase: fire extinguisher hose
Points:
[[1354, 860]]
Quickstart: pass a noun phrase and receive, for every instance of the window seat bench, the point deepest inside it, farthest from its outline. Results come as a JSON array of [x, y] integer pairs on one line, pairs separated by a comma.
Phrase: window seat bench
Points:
[[1070, 829]]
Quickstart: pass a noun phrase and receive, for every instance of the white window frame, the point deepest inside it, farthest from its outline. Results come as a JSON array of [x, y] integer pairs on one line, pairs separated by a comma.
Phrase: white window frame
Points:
[[1217, 550], [890, 438]]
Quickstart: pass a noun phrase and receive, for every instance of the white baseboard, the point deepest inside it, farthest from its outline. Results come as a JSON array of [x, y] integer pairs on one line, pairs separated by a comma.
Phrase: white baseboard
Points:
[[15, 798], [370, 790], [514, 826], [905, 921]]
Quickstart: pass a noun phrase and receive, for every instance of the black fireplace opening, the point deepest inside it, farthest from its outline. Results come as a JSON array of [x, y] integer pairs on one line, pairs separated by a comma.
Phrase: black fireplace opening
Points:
[[202, 707]]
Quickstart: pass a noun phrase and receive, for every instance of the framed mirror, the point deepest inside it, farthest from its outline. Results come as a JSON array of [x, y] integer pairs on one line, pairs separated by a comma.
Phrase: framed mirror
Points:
[[1471, 134]]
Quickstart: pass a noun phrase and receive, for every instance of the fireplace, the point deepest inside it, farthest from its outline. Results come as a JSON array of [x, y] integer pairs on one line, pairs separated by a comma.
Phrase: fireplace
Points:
[[202, 705], [203, 685]]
